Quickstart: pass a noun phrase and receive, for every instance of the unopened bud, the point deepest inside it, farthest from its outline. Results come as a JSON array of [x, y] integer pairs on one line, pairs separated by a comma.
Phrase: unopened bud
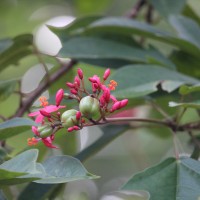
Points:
[[78, 115], [73, 91], [71, 85], [80, 73], [59, 96], [106, 74]]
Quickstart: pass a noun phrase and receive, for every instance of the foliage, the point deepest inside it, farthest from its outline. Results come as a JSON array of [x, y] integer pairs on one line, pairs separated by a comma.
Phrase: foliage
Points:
[[156, 67]]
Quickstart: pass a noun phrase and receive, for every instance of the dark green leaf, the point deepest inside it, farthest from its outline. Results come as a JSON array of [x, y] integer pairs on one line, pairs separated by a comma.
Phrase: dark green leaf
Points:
[[37, 191], [187, 29], [129, 27], [76, 26], [98, 48], [7, 88], [15, 126], [140, 80], [171, 179], [21, 47], [186, 63], [62, 169], [168, 7]]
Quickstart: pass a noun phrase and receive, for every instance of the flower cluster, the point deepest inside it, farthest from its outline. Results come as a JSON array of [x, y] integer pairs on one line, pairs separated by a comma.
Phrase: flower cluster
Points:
[[94, 106]]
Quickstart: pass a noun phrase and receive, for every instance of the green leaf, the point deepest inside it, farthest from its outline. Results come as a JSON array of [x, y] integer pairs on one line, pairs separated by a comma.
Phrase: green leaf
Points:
[[140, 80], [187, 29], [98, 48], [15, 126], [20, 169], [21, 47], [184, 89], [129, 27], [110, 133], [24, 162], [6, 88], [171, 179], [195, 104], [76, 26], [186, 63], [62, 169], [168, 7]]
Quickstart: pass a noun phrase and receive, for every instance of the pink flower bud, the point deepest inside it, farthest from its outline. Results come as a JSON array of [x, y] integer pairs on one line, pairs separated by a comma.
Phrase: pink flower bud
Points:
[[80, 73], [70, 129], [59, 96], [73, 91], [113, 98], [92, 80], [71, 85], [123, 103], [77, 81], [76, 128], [115, 106], [45, 114], [78, 115], [102, 101], [106, 74]]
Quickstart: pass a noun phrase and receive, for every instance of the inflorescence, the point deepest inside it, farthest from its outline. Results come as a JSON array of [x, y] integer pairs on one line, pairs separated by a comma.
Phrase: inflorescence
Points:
[[94, 106]]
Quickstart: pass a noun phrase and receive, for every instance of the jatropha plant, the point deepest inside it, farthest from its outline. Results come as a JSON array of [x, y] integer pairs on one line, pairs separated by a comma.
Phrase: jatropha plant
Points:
[[94, 106]]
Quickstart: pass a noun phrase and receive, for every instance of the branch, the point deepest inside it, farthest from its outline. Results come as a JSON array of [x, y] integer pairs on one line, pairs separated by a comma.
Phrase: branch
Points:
[[42, 87], [136, 8]]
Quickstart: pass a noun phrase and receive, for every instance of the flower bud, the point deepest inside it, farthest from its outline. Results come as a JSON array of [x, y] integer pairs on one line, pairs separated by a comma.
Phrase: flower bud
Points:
[[78, 115], [71, 85], [73, 91], [124, 102], [68, 118], [90, 107], [59, 96], [80, 73], [106, 74], [44, 131]]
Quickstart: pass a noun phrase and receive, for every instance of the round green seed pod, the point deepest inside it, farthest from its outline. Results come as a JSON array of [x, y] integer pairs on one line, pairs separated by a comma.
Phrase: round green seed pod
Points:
[[90, 107], [45, 131], [68, 118]]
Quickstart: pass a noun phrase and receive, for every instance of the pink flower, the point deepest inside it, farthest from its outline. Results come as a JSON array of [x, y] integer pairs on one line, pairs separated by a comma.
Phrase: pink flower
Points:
[[49, 109], [48, 142]]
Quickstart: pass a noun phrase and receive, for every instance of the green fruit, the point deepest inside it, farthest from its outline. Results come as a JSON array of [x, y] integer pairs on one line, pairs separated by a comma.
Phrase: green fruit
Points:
[[68, 118], [45, 131], [90, 107]]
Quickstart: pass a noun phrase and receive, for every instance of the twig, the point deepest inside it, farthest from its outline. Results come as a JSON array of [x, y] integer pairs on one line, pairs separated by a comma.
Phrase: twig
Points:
[[43, 86], [136, 8]]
